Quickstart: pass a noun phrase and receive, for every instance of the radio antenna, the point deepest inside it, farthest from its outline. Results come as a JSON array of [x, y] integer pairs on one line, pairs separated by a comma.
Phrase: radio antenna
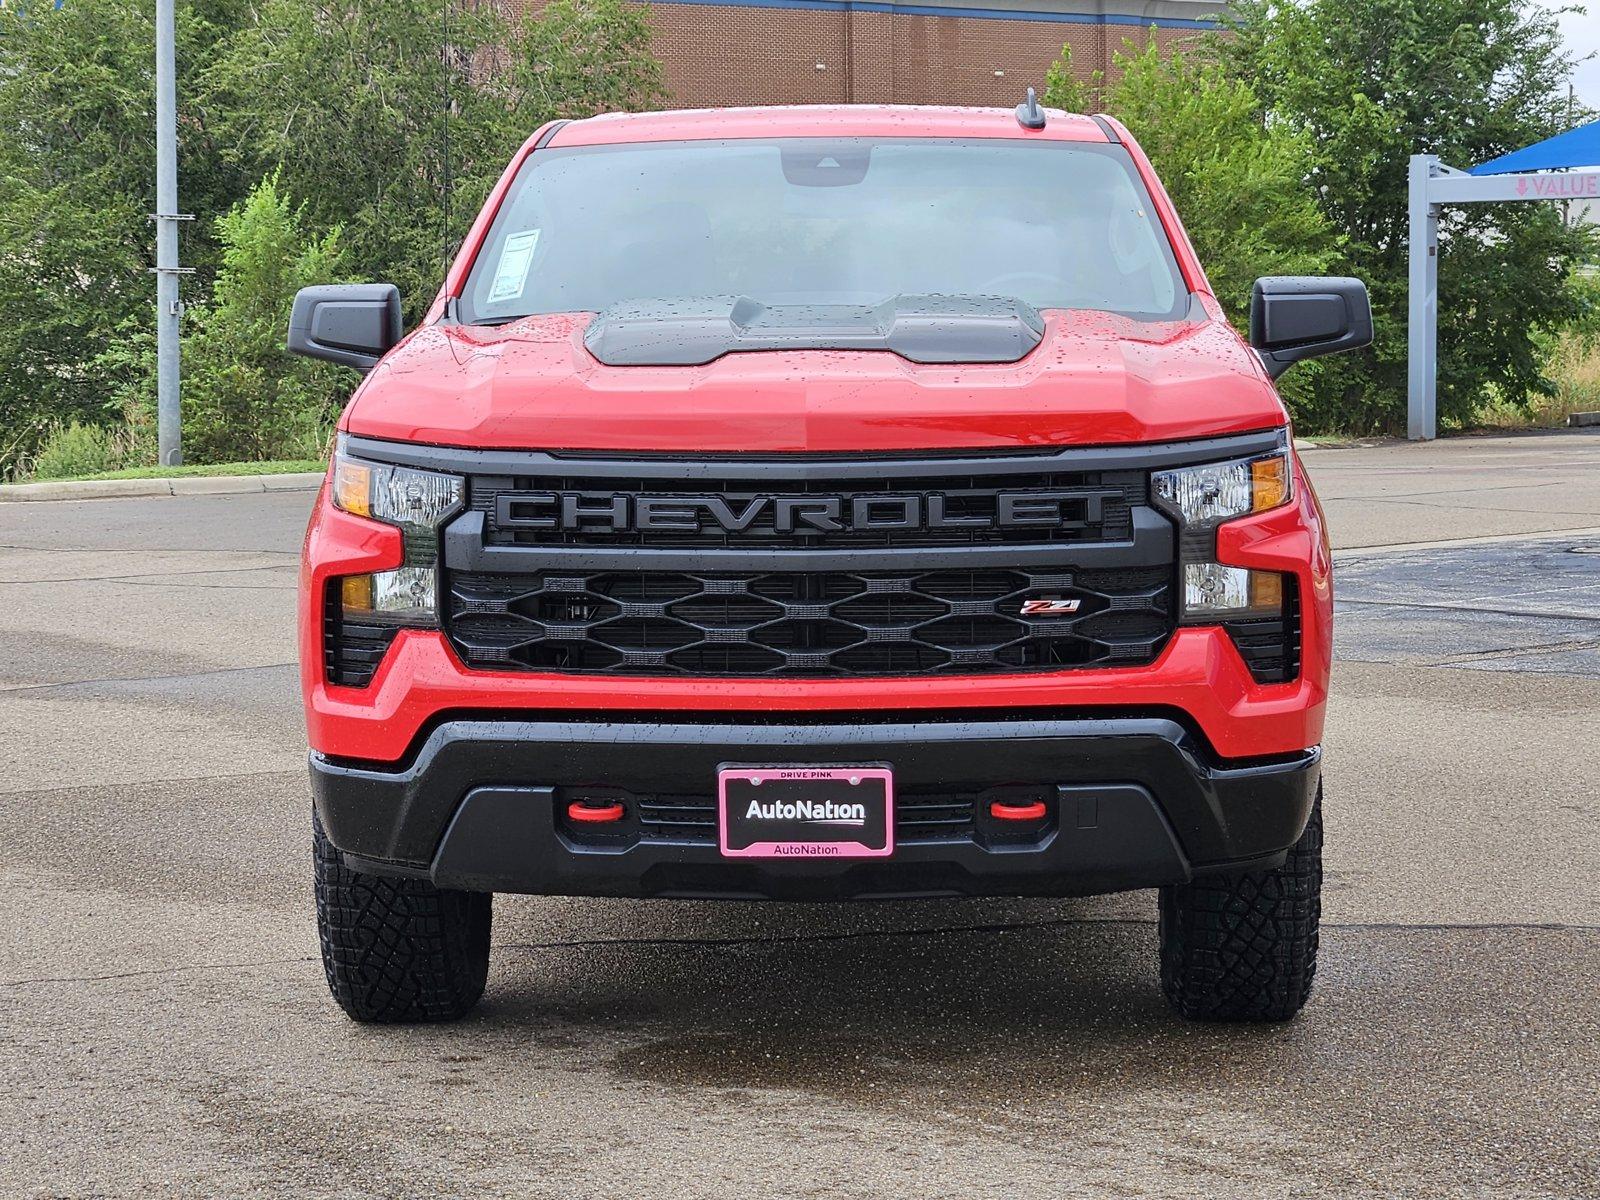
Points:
[[1029, 114]]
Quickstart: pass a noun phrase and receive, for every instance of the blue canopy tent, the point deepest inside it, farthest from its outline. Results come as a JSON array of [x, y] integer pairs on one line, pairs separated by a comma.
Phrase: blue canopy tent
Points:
[[1578, 147]]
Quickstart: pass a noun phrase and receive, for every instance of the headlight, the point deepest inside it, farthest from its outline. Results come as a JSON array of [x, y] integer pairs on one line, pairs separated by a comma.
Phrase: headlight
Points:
[[418, 503], [1202, 497], [403, 496], [1212, 493]]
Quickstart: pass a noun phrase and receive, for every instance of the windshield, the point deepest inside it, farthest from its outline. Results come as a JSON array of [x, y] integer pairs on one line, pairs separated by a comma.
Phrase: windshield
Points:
[[852, 221]]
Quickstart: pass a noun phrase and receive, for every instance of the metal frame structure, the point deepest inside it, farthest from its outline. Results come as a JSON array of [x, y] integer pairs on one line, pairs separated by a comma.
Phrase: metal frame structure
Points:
[[1432, 184], [169, 307]]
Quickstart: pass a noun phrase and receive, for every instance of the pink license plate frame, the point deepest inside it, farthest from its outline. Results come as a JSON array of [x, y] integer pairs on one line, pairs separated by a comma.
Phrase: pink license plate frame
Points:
[[790, 781]]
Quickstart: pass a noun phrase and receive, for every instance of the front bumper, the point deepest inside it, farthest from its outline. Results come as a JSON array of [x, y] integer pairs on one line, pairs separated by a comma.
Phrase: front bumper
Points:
[[1132, 802]]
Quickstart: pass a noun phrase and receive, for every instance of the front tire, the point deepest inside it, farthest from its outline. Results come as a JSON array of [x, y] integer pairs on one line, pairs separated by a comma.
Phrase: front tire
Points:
[[1244, 947], [398, 949]]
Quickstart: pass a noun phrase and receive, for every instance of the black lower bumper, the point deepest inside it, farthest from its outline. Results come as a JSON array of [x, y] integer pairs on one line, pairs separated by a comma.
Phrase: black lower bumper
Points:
[[1129, 802]]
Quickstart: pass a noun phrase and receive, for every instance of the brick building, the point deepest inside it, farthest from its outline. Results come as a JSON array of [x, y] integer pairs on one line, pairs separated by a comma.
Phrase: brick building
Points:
[[986, 52]]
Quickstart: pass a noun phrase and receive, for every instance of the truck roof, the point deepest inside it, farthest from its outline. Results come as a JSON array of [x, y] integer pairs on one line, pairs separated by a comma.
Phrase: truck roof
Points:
[[824, 120]]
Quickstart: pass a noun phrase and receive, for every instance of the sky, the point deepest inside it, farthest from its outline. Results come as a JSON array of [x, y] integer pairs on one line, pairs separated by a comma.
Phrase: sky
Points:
[[1582, 31]]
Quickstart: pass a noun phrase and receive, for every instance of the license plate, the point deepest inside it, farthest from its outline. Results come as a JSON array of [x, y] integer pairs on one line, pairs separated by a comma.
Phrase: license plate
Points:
[[805, 811]]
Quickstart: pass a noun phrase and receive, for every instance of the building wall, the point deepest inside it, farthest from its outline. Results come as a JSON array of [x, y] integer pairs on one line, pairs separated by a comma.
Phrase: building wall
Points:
[[720, 52]]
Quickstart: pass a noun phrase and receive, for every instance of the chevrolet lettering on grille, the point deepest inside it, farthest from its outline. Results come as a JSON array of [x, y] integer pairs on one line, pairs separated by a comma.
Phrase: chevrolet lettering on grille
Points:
[[620, 512]]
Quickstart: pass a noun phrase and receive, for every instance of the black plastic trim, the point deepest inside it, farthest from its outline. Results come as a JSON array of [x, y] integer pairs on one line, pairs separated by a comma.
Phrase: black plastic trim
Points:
[[803, 467], [555, 128], [1106, 128], [476, 808]]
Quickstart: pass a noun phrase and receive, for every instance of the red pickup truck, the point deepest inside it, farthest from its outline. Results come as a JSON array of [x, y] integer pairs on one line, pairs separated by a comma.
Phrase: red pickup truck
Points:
[[819, 503]]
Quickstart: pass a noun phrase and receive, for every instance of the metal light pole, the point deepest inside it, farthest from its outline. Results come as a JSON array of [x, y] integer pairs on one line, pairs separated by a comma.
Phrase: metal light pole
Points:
[[169, 427]]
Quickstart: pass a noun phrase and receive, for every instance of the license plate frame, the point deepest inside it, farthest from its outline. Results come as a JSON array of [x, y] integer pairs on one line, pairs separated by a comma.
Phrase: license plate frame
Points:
[[802, 826]]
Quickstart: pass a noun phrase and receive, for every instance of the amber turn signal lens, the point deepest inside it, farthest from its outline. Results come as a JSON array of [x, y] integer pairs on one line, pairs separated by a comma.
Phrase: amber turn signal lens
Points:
[[352, 487], [355, 591], [1266, 590], [1269, 482]]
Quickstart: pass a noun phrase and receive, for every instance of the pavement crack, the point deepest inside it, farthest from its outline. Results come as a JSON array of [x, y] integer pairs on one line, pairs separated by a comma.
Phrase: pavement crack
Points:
[[125, 784], [221, 587], [292, 555], [1536, 614], [1348, 554], [822, 938], [181, 970], [12, 688], [1012, 927], [1541, 648], [150, 578], [1459, 505]]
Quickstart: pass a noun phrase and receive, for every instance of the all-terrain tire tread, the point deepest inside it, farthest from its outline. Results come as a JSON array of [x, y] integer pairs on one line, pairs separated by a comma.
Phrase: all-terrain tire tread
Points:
[[395, 949], [1244, 947]]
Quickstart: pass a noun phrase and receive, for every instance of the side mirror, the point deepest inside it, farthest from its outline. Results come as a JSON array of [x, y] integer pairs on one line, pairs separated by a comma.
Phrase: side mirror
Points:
[[1304, 316], [353, 324]]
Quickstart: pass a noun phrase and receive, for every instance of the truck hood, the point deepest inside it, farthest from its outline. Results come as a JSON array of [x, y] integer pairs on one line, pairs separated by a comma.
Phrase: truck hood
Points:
[[1094, 379]]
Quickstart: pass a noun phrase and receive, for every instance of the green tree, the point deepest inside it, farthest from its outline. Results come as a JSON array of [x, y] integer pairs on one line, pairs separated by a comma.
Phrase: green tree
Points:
[[1238, 181], [342, 102], [1064, 90], [576, 58], [1371, 82], [354, 103], [245, 397], [76, 188]]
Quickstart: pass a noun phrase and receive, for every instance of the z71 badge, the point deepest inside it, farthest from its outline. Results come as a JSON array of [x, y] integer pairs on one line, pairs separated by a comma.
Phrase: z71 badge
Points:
[[1050, 608]]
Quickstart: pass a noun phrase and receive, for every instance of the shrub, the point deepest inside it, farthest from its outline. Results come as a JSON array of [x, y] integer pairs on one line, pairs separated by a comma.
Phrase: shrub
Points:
[[78, 449], [244, 396]]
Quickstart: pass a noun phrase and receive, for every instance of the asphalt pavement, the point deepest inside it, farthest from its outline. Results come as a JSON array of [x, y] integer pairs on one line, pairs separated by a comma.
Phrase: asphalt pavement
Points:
[[165, 1029]]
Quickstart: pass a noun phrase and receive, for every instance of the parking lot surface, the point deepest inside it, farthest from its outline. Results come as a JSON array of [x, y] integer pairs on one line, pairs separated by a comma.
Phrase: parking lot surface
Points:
[[165, 1029]]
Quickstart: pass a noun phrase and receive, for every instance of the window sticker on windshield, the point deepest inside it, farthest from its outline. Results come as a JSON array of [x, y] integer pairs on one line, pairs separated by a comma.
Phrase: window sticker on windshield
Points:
[[512, 275]]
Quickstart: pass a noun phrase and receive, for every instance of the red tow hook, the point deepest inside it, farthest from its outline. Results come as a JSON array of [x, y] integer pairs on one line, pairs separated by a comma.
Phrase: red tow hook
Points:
[[594, 812], [1001, 811]]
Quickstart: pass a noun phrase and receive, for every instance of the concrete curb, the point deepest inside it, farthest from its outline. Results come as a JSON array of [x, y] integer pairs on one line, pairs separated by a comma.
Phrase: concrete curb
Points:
[[182, 485]]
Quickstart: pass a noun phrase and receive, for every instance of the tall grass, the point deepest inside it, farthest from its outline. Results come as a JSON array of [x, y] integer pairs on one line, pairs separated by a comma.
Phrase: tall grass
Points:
[[1572, 362]]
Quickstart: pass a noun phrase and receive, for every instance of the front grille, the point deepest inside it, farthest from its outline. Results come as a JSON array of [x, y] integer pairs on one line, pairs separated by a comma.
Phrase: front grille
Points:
[[351, 650], [824, 623], [818, 567], [1097, 507]]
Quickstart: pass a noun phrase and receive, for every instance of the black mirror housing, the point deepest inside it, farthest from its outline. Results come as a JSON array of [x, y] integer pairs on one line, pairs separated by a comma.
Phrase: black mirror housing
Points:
[[353, 324], [1303, 316]]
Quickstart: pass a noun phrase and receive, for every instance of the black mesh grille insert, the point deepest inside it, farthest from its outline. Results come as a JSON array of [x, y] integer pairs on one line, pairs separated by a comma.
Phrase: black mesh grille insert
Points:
[[826, 623], [351, 650]]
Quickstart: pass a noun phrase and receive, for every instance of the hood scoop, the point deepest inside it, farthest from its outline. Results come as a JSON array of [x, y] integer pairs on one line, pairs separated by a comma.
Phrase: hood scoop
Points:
[[921, 329]]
